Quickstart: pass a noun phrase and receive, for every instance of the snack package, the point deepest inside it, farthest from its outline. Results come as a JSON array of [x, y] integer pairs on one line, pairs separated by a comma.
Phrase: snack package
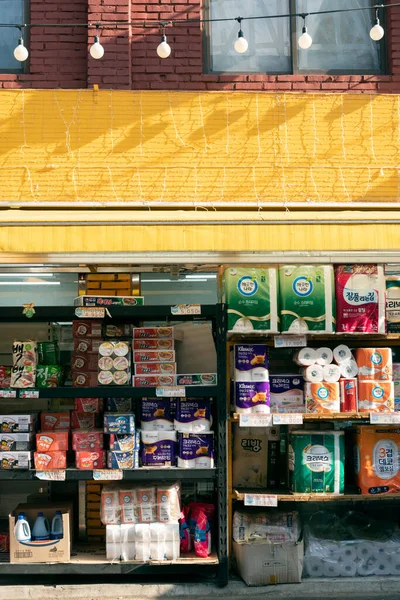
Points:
[[193, 415], [5, 377], [84, 420], [153, 344], [153, 380], [154, 356], [10, 442], [25, 354], [15, 460], [157, 414], [168, 503], [88, 460], [23, 377], [155, 368], [114, 363], [50, 460], [374, 363], [110, 510], [200, 520], [84, 362], [118, 331], [80, 379], [119, 405], [86, 328], [18, 423], [119, 423], [49, 376], [122, 443], [88, 405], [48, 353], [59, 421], [129, 512], [121, 460], [184, 532], [155, 333], [50, 441], [85, 440]]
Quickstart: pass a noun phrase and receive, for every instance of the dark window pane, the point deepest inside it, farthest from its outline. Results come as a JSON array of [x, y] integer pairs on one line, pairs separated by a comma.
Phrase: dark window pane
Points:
[[11, 11]]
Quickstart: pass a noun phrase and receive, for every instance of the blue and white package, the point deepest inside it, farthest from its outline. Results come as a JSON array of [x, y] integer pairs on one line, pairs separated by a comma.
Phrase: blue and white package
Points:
[[157, 414], [123, 443], [287, 394], [119, 423], [193, 415], [158, 448], [120, 460]]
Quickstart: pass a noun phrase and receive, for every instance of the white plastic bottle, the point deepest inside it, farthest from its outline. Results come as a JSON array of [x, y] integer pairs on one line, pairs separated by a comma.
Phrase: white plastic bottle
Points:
[[22, 531], [41, 528], [57, 532]]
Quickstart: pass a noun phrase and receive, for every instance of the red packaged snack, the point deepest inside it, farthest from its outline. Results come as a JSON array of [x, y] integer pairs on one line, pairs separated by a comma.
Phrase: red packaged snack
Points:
[[60, 421], [87, 345], [89, 405], [84, 362], [88, 328], [90, 460], [5, 378], [88, 379], [4, 542], [83, 420], [86, 439], [153, 344], [50, 441], [50, 460]]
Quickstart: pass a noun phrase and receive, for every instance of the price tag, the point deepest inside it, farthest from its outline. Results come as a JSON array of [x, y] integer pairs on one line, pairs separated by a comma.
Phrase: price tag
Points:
[[90, 312], [255, 420], [108, 475], [260, 500], [186, 309], [384, 418], [173, 391], [8, 393], [287, 419], [29, 394], [290, 341], [58, 475]]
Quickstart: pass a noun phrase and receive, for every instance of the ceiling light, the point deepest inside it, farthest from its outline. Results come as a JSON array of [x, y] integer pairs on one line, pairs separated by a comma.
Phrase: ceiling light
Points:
[[30, 283], [26, 275]]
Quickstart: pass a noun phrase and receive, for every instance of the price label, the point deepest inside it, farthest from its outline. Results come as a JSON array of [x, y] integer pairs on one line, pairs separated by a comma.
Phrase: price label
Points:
[[255, 420], [29, 394], [290, 341], [288, 419], [260, 500], [58, 475], [173, 391], [8, 393], [186, 309], [384, 418], [108, 475], [90, 312]]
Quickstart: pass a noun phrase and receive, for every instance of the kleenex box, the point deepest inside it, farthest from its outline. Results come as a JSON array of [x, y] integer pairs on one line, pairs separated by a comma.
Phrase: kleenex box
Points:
[[119, 423]]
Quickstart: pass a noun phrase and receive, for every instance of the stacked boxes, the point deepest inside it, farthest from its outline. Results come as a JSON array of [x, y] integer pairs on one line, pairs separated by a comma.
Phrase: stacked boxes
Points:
[[88, 440], [87, 334], [17, 434], [49, 371], [25, 360], [52, 442], [154, 356], [252, 389], [123, 441]]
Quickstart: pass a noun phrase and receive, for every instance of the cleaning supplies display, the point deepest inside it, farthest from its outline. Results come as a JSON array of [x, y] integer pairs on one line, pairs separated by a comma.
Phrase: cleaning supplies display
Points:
[[377, 459], [360, 299], [252, 299], [41, 528], [316, 462], [307, 299]]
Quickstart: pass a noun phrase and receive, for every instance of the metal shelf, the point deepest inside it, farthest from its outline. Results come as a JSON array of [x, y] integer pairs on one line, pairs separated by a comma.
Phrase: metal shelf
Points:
[[109, 391], [353, 416], [164, 474], [286, 496]]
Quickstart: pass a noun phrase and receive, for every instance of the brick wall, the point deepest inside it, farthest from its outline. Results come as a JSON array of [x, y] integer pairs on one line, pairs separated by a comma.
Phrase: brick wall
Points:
[[60, 58]]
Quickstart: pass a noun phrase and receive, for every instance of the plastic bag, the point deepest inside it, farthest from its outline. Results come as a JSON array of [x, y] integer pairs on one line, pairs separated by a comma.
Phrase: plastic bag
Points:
[[276, 527]]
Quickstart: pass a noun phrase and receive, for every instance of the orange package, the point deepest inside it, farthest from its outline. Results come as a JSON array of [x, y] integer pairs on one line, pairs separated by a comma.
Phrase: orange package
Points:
[[50, 460], [377, 459], [374, 363], [376, 396], [55, 421], [47, 441], [322, 397]]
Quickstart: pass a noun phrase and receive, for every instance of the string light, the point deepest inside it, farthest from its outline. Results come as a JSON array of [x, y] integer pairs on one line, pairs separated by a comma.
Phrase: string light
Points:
[[163, 49], [96, 49], [377, 32], [305, 40], [241, 45], [21, 53]]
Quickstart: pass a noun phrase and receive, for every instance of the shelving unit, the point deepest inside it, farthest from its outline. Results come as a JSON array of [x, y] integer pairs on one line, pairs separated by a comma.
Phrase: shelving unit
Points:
[[90, 561]]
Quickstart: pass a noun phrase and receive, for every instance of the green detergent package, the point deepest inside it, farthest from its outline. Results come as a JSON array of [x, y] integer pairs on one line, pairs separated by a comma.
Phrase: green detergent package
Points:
[[316, 462], [251, 296], [307, 299]]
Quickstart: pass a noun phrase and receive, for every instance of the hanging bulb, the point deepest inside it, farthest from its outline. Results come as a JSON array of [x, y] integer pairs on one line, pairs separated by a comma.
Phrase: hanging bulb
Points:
[[305, 40], [96, 50], [20, 52], [163, 49], [241, 45], [377, 32]]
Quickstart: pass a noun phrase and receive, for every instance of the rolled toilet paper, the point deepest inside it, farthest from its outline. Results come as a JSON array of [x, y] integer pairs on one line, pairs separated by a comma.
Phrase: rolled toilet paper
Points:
[[342, 353], [331, 569], [331, 373], [347, 568], [366, 568], [324, 356], [349, 369], [313, 566], [314, 374], [383, 566], [305, 357], [364, 551], [348, 554]]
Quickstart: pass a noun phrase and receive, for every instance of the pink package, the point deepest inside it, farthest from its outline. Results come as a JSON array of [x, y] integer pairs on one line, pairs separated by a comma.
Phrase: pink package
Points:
[[200, 517], [186, 538], [360, 299]]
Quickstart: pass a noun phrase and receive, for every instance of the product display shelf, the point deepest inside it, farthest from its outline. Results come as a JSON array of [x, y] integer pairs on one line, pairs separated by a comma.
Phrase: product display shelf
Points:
[[350, 416], [286, 496], [314, 339], [114, 391], [140, 474]]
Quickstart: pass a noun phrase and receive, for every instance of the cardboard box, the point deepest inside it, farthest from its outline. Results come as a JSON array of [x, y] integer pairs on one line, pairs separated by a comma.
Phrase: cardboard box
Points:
[[87, 345], [86, 461], [50, 441], [87, 328], [60, 421], [109, 301], [84, 439], [155, 356], [88, 405], [15, 460], [50, 551], [123, 443], [250, 457], [121, 460], [84, 420], [11, 442], [119, 423], [18, 423], [157, 333], [84, 362], [49, 461], [168, 368], [197, 379], [269, 564], [153, 344], [153, 380], [81, 379], [123, 330]]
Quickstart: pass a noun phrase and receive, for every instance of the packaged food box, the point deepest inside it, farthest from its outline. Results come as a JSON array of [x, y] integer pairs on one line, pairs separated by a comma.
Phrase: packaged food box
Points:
[[119, 423], [48, 353], [153, 344], [109, 301], [23, 377], [59, 421], [15, 460], [10, 442], [90, 460], [87, 328], [88, 405], [47, 461], [157, 356], [118, 331], [197, 379], [84, 420], [120, 460], [114, 363], [18, 423], [80, 379], [119, 405], [153, 333], [87, 345], [154, 380], [25, 354], [84, 362], [49, 376], [4, 542], [155, 368], [5, 377], [122, 443], [49, 441], [87, 439]]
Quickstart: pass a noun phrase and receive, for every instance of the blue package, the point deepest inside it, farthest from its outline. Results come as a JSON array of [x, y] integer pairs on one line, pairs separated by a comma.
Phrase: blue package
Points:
[[119, 423], [120, 460], [123, 443]]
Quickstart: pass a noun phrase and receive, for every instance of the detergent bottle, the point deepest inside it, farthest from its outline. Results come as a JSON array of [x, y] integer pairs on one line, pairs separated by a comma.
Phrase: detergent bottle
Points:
[[57, 532], [22, 531], [41, 528]]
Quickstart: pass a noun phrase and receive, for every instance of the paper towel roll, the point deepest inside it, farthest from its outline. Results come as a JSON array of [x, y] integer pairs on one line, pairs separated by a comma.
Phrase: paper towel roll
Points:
[[313, 566], [331, 373], [342, 354], [364, 551], [305, 357], [331, 569], [347, 568], [383, 566], [314, 373], [324, 356], [395, 562], [349, 369], [366, 568]]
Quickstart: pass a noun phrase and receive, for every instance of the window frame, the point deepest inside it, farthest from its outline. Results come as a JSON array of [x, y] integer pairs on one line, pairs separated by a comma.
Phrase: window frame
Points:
[[207, 57], [24, 65]]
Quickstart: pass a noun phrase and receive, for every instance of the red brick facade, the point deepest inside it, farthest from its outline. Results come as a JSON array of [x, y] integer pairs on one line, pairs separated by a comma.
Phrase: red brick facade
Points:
[[59, 58]]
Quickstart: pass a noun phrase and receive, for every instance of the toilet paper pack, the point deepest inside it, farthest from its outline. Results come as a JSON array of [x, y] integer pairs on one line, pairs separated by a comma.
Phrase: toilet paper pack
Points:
[[322, 397], [396, 386], [374, 363], [251, 362], [157, 414], [158, 448], [307, 300], [251, 297], [252, 397], [196, 451], [375, 396], [287, 394], [393, 303], [193, 415]]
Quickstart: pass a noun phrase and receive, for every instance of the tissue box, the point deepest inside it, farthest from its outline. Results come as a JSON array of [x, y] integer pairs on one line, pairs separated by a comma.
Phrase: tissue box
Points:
[[10, 442], [287, 394], [119, 423], [15, 460]]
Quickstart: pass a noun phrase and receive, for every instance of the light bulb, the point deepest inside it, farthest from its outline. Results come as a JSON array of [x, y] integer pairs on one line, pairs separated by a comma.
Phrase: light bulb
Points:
[[377, 32], [163, 49], [20, 52], [241, 45], [305, 40], [96, 50]]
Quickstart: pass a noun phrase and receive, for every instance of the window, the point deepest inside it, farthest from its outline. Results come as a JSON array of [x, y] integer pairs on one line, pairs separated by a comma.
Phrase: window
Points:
[[12, 11], [341, 41]]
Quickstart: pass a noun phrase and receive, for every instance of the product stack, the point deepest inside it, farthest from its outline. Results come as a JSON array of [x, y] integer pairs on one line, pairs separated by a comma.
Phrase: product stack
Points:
[[88, 443], [52, 442], [114, 363], [17, 440], [251, 376], [49, 371], [25, 361], [154, 356], [87, 334], [123, 440]]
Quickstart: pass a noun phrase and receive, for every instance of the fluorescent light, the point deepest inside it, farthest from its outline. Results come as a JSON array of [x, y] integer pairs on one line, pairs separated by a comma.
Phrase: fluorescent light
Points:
[[30, 283], [168, 280], [26, 274], [202, 276]]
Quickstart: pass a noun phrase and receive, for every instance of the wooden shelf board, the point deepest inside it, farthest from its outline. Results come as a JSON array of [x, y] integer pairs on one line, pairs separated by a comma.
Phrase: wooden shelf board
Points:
[[353, 416], [286, 496]]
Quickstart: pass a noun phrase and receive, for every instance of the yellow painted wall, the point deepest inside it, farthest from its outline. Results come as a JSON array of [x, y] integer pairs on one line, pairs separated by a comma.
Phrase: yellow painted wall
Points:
[[144, 147]]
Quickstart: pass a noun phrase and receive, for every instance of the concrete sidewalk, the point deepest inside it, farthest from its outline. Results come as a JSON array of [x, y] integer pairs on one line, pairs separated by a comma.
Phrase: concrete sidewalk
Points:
[[359, 588]]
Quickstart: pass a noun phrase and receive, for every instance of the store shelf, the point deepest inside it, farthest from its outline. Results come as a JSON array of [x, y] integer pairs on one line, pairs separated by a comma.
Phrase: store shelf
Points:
[[110, 391], [353, 416], [162, 474], [286, 496], [339, 338]]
